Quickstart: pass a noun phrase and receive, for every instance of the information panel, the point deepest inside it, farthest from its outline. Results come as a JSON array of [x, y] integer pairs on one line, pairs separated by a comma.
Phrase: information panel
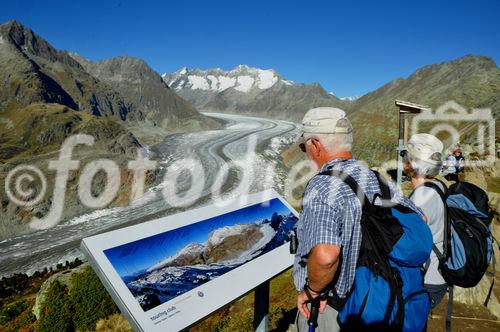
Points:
[[168, 273]]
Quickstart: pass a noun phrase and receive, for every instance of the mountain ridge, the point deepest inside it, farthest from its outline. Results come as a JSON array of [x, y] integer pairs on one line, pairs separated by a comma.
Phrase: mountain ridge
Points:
[[223, 244], [46, 96], [34, 71], [249, 90], [472, 81], [144, 88]]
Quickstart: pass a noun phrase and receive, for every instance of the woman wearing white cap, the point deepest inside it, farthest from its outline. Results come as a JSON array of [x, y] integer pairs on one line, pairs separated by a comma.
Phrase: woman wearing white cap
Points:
[[422, 162]]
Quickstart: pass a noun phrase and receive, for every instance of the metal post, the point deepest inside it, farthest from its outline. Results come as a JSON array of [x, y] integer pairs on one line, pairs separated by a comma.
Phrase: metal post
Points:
[[407, 125], [261, 308], [400, 148]]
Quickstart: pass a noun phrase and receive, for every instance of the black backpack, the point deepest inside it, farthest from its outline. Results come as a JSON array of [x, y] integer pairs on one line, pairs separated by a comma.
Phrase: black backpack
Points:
[[476, 195], [388, 293]]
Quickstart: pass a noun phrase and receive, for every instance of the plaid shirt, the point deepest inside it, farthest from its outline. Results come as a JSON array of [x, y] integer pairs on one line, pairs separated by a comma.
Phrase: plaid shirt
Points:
[[331, 214]]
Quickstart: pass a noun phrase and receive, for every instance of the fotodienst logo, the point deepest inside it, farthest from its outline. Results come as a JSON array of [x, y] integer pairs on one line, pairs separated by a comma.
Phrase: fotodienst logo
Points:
[[453, 121]]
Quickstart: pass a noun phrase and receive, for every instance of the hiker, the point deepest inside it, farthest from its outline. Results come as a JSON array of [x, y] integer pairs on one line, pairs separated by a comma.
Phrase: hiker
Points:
[[329, 229], [450, 164], [454, 164], [422, 162], [460, 159]]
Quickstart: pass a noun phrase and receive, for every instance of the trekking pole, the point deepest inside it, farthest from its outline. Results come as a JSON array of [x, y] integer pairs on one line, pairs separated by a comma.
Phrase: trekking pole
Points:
[[314, 313]]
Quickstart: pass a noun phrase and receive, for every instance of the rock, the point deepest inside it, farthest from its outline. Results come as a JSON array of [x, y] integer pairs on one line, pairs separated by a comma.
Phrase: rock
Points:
[[63, 277]]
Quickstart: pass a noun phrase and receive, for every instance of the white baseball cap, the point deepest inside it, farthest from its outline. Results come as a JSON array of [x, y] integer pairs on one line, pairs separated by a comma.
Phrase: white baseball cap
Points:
[[326, 120], [425, 147]]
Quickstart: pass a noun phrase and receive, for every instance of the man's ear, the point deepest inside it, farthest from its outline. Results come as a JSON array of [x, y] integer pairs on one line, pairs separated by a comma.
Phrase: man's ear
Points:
[[317, 145]]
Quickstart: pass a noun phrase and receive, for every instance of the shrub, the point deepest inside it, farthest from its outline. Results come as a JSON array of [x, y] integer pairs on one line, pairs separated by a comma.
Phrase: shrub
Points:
[[56, 311], [114, 323], [89, 300], [23, 323], [11, 311]]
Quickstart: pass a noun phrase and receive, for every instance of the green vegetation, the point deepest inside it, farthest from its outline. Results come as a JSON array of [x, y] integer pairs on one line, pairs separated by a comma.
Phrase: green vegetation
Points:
[[471, 81], [17, 316], [10, 312], [78, 306], [18, 294], [86, 302], [89, 299], [56, 310], [42, 128]]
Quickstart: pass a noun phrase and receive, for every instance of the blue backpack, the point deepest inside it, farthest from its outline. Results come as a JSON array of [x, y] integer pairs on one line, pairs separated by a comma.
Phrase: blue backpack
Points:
[[468, 241], [387, 293]]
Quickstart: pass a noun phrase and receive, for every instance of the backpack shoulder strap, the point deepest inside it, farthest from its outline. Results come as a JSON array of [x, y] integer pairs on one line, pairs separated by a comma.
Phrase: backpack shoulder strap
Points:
[[348, 180], [447, 226], [385, 191], [442, 194]]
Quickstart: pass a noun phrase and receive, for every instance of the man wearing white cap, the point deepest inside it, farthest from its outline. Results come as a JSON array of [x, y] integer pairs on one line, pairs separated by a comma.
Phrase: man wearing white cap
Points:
[[329, 230], [422, 162]]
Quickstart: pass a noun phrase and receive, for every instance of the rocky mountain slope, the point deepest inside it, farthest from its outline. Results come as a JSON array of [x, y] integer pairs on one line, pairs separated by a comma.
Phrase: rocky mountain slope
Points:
[[251, 91], [46, 96], [471, 81], [124, 89], [33, 71], [145, 90]]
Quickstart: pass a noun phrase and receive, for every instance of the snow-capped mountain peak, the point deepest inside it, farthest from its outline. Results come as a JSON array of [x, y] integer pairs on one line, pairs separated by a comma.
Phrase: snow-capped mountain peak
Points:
[[249, 90], [192, 250], [242, 78], [241, 68], [349, 98]]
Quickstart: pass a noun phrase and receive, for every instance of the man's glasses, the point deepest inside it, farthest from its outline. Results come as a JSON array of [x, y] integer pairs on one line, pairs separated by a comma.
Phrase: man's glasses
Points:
[[302, 145]]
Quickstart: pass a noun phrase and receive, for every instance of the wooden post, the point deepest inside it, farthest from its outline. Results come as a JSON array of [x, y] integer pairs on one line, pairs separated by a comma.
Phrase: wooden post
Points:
[[399, 178], [406, 131]]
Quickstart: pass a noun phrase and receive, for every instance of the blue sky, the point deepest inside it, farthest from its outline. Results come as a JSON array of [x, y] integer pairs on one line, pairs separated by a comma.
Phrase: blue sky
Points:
[[350, 47], [135, 256]]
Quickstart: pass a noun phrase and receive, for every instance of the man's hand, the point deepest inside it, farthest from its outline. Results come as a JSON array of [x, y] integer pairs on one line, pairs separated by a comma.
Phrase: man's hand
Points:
[[302, 301], [321, 266]]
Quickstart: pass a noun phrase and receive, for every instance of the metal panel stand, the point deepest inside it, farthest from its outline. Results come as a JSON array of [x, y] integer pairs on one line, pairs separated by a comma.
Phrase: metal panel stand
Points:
[[261, 308]]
